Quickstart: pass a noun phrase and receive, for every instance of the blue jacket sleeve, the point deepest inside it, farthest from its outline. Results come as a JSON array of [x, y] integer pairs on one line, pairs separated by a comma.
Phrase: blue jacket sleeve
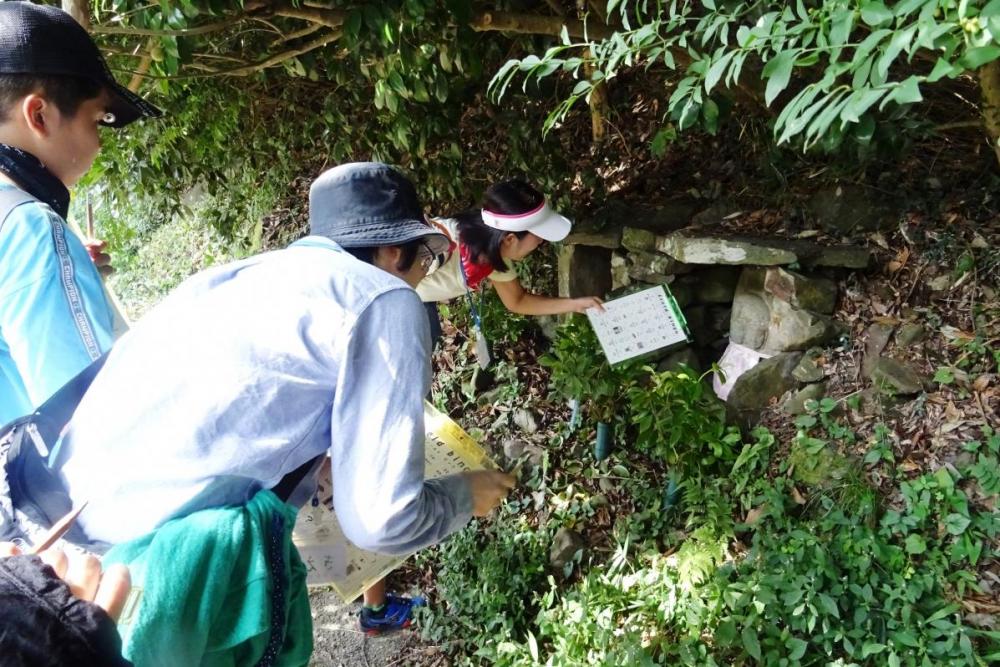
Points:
[[54, 315], [382, 500]]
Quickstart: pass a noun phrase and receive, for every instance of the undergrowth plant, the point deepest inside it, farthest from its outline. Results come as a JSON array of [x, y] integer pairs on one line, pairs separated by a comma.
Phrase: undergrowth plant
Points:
[[680, 421], [579, 370], [488, 577]]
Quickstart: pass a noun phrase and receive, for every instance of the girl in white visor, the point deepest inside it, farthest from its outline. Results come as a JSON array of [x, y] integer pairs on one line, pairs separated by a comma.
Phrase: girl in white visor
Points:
[[514, 220]]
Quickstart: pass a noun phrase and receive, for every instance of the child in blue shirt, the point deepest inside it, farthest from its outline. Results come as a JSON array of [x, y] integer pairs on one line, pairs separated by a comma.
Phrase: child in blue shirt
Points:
[[55, 93]]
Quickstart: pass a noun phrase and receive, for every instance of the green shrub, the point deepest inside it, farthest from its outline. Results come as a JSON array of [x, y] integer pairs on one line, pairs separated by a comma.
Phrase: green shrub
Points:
[[488, 578]]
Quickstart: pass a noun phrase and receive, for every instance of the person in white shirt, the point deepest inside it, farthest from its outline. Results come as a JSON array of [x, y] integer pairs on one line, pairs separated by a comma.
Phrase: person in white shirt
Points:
[[514, 220]]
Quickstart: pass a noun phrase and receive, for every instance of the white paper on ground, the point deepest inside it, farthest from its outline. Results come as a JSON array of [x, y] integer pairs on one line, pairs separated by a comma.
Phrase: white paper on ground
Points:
[[482, 349], [735, 361]]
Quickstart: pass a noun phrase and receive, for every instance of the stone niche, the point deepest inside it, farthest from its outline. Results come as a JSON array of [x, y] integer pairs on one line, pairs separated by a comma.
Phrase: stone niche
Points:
[[774, 296]]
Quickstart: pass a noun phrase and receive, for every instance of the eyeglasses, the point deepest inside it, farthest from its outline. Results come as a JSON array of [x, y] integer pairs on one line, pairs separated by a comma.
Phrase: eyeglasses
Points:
[[431, 261]]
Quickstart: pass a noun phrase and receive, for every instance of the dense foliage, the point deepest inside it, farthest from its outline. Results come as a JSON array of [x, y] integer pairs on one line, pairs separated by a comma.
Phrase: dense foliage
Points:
[[830, 70], [260, 92], [775, 553]]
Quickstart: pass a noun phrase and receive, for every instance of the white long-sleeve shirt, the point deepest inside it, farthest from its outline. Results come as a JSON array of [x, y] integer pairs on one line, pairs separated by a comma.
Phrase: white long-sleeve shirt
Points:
[[245, 372]]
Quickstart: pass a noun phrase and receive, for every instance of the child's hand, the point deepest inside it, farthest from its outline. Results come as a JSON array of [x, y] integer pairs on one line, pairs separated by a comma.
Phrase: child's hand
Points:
[[584, 303], [488, 488], [102, 260], [83, 576]]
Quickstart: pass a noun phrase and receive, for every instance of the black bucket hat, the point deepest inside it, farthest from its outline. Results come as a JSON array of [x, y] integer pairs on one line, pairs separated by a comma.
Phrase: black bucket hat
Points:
[[41, 40], [369, 204]]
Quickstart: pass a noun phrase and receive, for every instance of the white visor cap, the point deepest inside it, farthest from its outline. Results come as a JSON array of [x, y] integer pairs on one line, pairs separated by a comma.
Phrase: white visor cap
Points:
[[542, 222]]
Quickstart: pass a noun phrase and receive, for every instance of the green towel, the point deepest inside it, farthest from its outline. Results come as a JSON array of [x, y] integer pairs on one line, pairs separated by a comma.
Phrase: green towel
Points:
[[204, 588]]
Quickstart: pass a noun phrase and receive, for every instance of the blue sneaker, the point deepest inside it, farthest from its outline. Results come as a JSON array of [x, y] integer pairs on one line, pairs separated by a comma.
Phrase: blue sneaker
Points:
[[396, 615]]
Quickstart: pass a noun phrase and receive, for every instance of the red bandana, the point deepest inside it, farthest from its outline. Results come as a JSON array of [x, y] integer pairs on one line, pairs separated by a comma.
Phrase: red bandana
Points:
[[475, 273]]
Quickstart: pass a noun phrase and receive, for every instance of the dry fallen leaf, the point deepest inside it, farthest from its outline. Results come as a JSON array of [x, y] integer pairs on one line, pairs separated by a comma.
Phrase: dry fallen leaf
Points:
[[754, 515], [879, 239], [900, 261]]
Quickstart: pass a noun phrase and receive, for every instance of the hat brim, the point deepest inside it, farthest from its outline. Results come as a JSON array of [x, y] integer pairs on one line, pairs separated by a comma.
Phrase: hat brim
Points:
[[389, 233], [553, 227], [126, 106]]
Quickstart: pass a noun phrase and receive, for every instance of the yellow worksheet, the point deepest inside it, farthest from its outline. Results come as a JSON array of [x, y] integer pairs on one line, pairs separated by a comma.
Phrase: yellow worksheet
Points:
[[330, 558]]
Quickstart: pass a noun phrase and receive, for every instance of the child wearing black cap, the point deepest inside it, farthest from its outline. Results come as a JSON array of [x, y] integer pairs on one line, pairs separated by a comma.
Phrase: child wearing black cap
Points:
[[55, 93]]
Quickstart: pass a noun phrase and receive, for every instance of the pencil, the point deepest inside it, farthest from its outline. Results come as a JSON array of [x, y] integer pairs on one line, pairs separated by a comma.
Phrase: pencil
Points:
[[58, 529], [90, 218]]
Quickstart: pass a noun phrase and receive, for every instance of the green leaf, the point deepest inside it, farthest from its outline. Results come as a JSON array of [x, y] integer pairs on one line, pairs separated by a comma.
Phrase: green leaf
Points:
[[944, 375], [875, 13], [859, 102], [900, 41], [944, 479], [441, 89], [943, 68], [947, 610], [352, 26], [750, 642], [420, 93], [894, 660], [710, 114], [907, 92], [841, 24], [778, 72], [868, 45], [915, 544], [716, 71], [819, 125], [828, 605], [979, 56], [797, 648], [871, 648], [991, 10], [956, 523], [744, 36]]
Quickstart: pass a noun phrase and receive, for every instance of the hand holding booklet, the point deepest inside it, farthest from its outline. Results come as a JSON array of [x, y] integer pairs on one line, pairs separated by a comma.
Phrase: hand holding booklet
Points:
[[638, 323]]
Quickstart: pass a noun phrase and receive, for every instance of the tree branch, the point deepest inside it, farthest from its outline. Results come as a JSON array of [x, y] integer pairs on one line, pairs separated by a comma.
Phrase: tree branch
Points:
[[184, 32], [332, 18], [292, 36], [276, 59], [533, 24], [147, 60]]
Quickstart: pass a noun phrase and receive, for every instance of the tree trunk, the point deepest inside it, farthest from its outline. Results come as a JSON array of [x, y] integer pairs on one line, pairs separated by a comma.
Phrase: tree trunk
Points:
[[79, 11], [598, 105], [989, 86]]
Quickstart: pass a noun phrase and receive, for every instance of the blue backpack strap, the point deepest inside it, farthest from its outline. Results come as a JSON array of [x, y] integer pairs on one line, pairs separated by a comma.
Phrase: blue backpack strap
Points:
[[11, 198], [32, 497], [52, 416]]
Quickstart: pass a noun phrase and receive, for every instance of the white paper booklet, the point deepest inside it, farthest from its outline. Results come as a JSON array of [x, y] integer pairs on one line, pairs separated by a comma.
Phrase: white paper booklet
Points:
[[638, 323], [330, 558]]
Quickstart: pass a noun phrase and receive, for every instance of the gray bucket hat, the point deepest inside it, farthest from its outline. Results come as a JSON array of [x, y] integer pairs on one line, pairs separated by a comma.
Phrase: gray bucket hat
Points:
[[369, 204]]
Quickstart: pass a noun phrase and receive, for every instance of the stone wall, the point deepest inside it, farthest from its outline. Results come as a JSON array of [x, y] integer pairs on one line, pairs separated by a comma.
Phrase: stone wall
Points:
[[774, 296]]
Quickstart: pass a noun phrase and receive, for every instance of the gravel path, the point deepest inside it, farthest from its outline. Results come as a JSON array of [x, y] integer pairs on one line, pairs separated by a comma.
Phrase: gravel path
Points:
[[339, 641]]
